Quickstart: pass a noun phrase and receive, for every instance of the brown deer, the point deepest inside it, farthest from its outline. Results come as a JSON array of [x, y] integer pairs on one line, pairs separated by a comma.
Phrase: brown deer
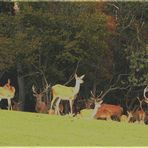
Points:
[[106, 111], [7, 92], [16, 105], [41, 106], [138, 115]]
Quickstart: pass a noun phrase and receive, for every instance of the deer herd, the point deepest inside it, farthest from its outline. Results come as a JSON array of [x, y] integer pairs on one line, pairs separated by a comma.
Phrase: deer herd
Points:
[[60, 92]]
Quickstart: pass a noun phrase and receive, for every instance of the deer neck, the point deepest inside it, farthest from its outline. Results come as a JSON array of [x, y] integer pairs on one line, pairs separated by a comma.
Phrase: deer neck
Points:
[[77, 87], [97, 106]]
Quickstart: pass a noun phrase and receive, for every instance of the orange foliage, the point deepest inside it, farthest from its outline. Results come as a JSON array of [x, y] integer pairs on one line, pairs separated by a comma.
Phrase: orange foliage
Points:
[[111, 23]]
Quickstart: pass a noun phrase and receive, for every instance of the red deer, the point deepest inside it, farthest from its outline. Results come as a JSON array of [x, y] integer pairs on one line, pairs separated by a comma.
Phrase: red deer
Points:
[[41, 106], [66, 93], [7, 92], [139, 115], [106, 111], [109, 111], [16, 105]]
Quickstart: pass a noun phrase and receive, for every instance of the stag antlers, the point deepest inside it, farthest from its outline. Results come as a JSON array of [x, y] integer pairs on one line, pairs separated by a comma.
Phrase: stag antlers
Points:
[[144, 94], [98, 98], [41, 93], [40, 106]]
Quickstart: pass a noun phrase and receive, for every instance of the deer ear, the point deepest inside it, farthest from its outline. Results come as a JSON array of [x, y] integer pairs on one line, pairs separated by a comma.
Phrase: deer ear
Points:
[[128, 112], [34, 95], [9, 81], [76, 76], [82, 76], [101, 102]]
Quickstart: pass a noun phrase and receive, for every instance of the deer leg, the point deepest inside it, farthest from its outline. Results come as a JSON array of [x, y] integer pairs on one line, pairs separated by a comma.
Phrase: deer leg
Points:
[[108, 117], [9, 104], [71, 103], [52, 103], [57, 107]]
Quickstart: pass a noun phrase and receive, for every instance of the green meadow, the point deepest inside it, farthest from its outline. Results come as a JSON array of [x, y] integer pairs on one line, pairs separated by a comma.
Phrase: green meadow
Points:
[[34, 129]]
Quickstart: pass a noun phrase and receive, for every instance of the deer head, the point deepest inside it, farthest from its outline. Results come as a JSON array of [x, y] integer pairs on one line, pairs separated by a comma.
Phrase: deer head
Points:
[[79, 79], [39, 95], [16, 105], [97, 99]]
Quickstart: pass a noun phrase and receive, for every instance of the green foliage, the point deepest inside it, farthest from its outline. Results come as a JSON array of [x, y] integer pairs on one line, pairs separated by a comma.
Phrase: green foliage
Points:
[[139, 67], [50, 38], [130, 40]]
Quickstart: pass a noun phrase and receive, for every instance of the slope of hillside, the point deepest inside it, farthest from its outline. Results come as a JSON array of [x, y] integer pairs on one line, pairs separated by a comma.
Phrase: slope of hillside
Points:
[[32, 129]]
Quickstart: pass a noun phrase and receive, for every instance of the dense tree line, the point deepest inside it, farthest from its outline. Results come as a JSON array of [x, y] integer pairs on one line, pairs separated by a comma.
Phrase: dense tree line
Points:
[[47, 42]]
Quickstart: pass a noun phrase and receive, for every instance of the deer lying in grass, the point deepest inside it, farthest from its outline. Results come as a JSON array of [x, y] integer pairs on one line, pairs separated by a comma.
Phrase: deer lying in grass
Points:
[[7, 92], [86, 110], [139, 115], [66, 93], [16, 105], [106, 111], [55, 111], [124, 118], [41, 106]]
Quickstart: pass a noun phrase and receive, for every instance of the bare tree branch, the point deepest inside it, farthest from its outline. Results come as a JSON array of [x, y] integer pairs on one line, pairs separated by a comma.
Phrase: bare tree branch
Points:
[[114, 88], [111, 4], [30, 74], [129, 24], [42, 72], [119, 77], [1, 74], [72, 76]]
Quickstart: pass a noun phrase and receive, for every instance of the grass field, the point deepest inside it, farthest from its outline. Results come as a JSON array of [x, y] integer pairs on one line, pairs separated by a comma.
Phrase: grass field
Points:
[[32, 129]]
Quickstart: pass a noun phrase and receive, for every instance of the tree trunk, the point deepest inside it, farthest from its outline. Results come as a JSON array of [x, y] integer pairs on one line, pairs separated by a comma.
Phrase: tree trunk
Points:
[[21, 87], [94, 82], [1, 74], [94, 88]]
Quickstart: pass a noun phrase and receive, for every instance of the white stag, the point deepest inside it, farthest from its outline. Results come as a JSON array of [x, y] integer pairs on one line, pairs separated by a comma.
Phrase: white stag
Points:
[[66, 93]]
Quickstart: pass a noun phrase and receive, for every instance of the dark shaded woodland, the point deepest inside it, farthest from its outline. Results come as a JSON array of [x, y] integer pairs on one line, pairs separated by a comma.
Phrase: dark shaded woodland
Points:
[[48, 42]]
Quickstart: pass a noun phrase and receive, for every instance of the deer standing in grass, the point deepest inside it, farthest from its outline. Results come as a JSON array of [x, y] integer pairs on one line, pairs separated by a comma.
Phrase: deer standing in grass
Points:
[[7, 92], [66, 93], [41, 106]]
